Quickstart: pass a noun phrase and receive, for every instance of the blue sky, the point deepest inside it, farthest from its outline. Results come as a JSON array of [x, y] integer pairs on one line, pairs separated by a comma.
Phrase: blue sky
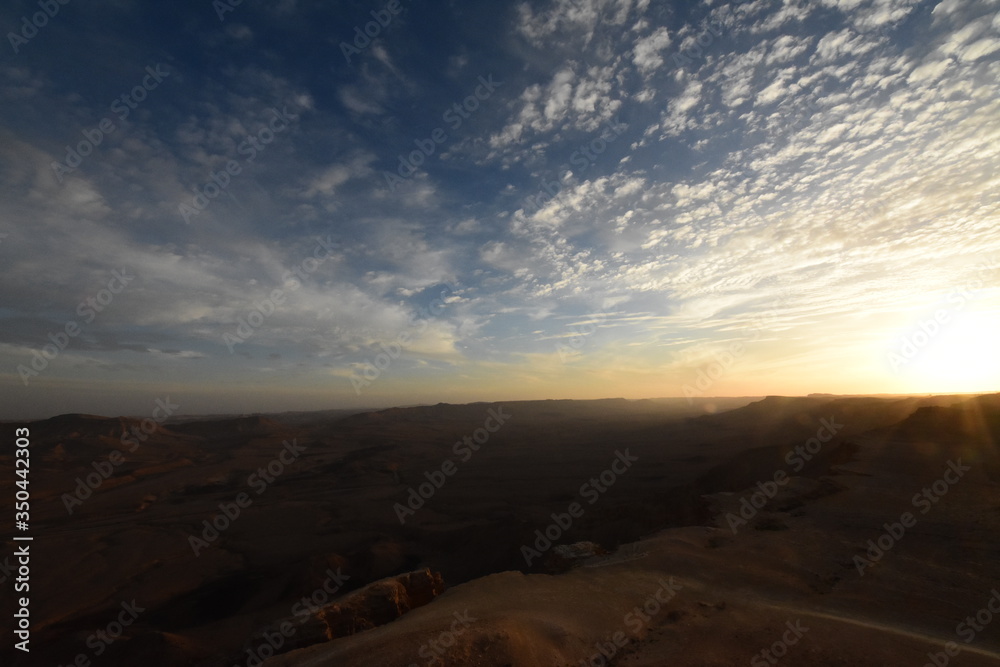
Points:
[[558, 199]]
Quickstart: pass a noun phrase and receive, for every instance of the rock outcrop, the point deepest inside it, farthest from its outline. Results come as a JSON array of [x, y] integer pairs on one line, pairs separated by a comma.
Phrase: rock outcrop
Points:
[[380, 602]]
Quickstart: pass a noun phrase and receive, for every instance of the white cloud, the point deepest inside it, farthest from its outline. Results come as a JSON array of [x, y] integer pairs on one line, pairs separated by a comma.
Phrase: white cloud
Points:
[[929, 71], [352, 98], [777, 89], [980, 48], [581, 100], [647, 53], [576, 20], [787, 48], [327, 182]]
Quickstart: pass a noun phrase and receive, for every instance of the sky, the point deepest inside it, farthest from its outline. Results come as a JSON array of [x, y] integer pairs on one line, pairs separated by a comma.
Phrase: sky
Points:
[[300, 205]]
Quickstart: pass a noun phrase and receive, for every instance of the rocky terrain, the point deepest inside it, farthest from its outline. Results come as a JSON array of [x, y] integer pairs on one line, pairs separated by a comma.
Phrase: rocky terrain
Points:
[[818, 530]]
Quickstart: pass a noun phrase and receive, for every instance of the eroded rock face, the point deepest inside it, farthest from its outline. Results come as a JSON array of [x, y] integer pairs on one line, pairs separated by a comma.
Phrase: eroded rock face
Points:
[[380, 602], [565, 557]]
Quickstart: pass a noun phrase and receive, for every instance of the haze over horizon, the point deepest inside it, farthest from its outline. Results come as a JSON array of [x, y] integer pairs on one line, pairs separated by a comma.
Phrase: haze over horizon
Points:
[[252, 208], [701, 405]]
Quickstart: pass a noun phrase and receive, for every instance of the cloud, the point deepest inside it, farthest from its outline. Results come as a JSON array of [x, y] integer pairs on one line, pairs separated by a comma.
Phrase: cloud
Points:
[[647, 53], [575, 98], [816, 148], [355, 100], [240, 32], [330, 179], [787, 48], [576, 20]]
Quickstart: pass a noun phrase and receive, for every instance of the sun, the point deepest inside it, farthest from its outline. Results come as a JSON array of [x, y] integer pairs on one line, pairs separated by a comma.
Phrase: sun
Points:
[[962, 355]]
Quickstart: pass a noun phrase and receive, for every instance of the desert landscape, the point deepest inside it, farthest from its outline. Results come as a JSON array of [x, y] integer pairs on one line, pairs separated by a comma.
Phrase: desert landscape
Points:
[[525, 333], [818, 530]]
